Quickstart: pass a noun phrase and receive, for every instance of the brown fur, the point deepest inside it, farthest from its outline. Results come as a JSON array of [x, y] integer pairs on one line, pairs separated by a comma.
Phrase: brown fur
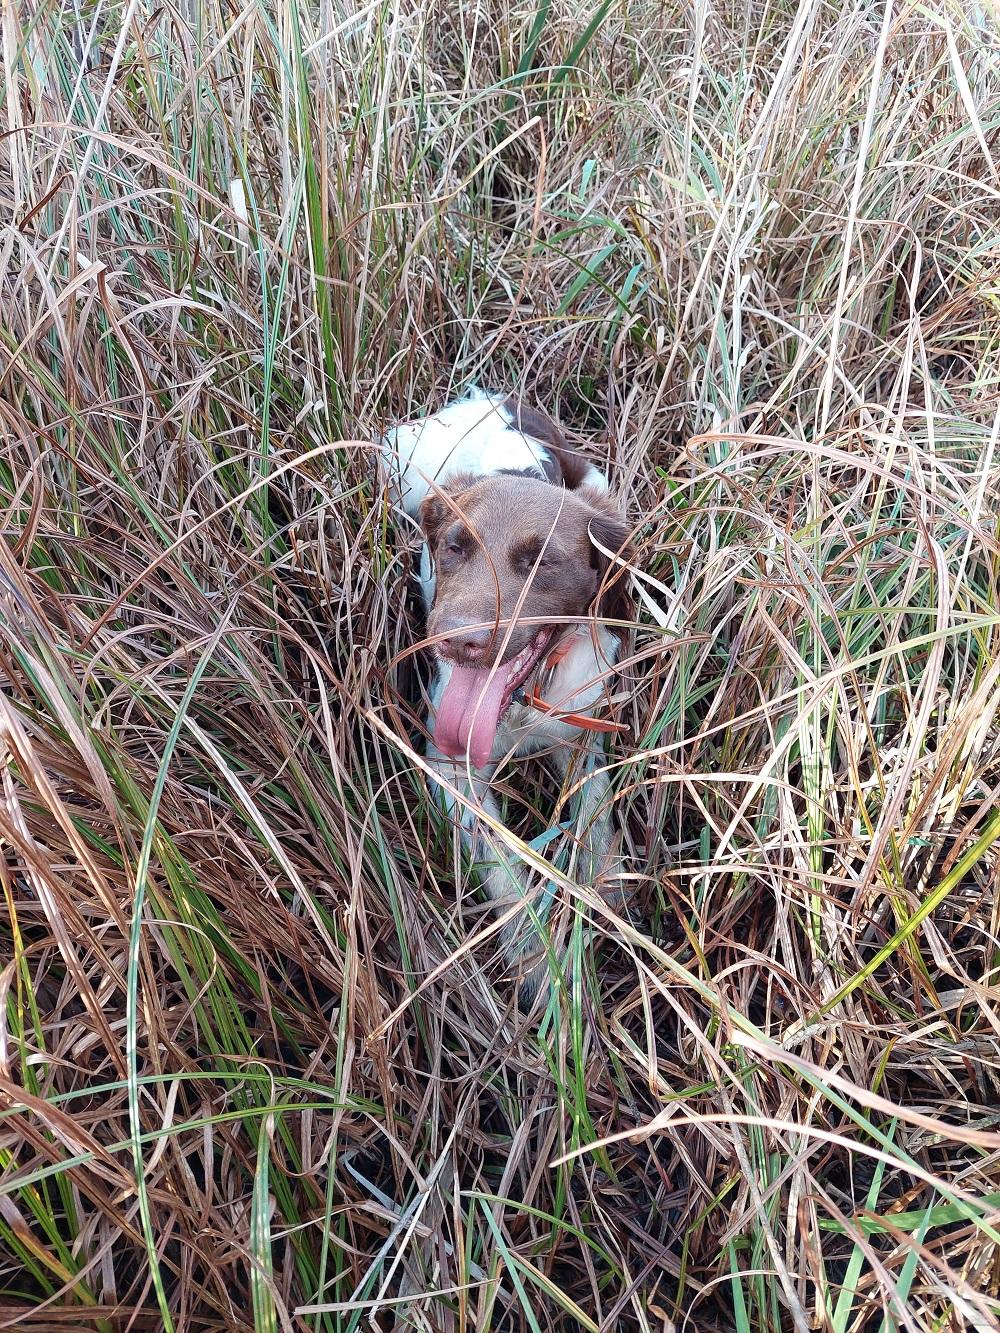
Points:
[[568, 466], [512, 548]]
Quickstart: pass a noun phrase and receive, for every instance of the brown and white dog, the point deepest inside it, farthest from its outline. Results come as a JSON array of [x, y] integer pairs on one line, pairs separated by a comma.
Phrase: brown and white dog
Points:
[[526, 609]]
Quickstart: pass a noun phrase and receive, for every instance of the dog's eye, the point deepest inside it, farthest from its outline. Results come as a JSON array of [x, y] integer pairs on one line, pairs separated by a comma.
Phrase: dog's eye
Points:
[[530, 560]]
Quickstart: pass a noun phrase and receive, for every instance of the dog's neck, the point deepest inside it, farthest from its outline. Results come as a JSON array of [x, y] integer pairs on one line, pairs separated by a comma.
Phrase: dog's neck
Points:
[[554, 680]]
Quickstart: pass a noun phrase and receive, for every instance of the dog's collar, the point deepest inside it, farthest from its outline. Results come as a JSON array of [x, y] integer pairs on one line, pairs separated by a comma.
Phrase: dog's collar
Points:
[[532, 698]]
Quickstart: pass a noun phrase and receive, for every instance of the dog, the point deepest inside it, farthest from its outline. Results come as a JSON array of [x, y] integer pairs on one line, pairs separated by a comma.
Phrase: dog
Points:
[[523, 581]]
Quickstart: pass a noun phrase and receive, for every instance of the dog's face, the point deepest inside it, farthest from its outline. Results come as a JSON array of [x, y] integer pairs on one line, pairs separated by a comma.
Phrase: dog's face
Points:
[[514, 554]]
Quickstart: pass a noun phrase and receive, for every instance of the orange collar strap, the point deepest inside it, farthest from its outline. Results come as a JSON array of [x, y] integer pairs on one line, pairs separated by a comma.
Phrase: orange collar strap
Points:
[[580, 720], [534, 700], [560, 652]]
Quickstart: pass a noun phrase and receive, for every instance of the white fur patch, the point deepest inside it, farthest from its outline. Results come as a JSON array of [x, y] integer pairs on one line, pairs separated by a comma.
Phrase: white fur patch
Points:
[[473, 435]]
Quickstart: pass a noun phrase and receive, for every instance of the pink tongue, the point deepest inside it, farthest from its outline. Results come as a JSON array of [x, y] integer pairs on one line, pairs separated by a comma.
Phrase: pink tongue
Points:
[[469, 712]]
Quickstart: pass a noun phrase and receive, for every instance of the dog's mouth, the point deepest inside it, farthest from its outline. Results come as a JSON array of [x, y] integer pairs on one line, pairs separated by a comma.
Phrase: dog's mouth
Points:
[[476, 698]]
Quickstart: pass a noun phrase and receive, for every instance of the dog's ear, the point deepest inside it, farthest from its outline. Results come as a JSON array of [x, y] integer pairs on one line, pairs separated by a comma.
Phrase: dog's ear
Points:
[[608, 533], [439, 506], [432, 515]]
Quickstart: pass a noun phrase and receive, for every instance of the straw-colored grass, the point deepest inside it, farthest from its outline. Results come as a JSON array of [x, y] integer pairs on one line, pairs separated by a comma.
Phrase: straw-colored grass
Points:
[[260, 1066]]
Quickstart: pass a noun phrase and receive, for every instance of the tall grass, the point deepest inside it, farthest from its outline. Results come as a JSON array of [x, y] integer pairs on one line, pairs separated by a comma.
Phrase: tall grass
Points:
[[259, 1063]]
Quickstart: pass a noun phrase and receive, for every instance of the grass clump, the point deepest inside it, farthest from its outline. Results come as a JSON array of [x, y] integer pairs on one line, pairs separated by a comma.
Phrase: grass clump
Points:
[[259, 1066]]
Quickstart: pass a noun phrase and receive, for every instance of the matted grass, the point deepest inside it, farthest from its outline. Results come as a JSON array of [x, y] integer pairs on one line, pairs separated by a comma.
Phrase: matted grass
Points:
[[259, 1063]]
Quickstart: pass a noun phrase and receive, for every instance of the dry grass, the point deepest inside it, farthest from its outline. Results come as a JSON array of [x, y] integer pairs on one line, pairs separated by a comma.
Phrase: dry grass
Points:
[[250, 1075]]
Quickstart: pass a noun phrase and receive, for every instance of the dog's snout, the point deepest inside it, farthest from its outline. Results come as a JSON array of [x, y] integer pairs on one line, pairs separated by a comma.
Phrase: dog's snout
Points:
[[464, 643]]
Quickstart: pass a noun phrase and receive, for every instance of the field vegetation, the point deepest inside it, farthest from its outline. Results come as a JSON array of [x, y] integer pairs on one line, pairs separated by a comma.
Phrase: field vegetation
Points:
[[260, 1063]]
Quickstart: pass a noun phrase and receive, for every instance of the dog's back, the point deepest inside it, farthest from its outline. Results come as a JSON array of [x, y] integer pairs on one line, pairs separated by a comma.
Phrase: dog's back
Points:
[[480, 435]]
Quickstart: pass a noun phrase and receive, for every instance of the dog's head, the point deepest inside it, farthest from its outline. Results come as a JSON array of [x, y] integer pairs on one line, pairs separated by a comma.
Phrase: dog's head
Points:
[[515, 557]]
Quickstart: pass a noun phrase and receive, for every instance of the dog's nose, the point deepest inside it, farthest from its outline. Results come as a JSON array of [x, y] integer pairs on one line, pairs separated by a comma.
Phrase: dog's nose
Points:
[[463, 644]]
